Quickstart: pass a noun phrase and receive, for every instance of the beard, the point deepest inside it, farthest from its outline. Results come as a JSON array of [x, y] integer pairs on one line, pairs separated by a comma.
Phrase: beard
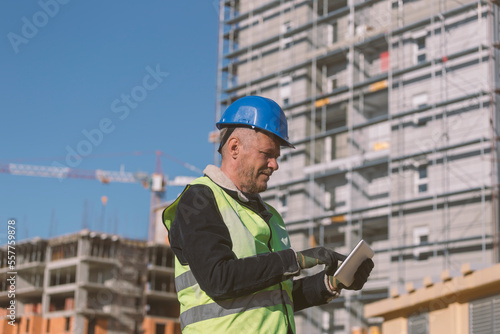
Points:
[[250, 180]]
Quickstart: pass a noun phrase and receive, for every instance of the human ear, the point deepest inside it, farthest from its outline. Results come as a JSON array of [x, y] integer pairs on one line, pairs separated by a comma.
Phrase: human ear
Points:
[[233, 146]]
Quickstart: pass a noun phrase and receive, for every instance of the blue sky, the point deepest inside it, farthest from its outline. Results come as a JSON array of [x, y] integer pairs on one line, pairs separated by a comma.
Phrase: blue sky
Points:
[[124, 76]]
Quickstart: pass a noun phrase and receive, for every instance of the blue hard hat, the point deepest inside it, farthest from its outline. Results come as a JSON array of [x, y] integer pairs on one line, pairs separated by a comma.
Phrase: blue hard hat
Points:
[[256, 112]]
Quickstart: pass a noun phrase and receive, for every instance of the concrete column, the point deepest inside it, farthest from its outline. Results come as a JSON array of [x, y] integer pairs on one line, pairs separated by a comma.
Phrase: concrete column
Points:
[[46, 282], [81, 295], [79, 324]]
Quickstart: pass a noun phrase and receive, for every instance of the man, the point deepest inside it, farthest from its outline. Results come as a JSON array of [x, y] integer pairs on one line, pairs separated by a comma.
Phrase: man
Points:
[[234, 266]]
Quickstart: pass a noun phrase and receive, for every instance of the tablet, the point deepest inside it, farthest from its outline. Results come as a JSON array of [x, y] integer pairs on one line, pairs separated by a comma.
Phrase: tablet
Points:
[[345, 273]]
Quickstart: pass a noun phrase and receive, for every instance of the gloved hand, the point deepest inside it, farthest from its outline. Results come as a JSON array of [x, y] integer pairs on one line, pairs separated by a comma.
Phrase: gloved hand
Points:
[[320, 255], [360, 276]]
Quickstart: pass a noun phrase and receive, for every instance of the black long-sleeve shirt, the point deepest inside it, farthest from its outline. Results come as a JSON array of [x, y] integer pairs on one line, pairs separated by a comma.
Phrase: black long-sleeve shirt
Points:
[[199, 237]]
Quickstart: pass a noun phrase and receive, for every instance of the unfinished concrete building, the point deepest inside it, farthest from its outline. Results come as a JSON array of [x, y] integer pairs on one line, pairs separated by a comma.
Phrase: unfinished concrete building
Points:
[[392, 105], [88, 283]]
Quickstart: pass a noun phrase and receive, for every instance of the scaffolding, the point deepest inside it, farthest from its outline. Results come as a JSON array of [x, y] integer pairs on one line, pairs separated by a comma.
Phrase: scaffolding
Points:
[[392, 107]]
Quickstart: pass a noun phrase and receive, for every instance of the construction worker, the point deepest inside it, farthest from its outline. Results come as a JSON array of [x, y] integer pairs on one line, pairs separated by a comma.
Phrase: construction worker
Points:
[[234, 267]]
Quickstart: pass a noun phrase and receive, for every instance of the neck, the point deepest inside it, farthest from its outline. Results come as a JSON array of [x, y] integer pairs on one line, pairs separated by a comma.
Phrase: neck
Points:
[[222, 179], [230, 172]]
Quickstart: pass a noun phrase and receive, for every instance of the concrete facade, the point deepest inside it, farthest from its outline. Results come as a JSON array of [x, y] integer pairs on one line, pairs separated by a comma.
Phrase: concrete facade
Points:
[[392, 106]]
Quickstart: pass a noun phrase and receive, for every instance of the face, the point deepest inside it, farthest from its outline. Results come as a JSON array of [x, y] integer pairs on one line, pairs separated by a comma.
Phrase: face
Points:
[[258, 161]]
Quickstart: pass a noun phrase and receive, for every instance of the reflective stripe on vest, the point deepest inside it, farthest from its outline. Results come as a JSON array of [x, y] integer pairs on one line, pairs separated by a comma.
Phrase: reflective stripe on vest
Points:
[[251, 235], [184, 281], [218, 309]]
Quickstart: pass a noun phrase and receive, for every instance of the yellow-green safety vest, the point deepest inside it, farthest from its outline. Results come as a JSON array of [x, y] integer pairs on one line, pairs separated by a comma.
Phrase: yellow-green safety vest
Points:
[[266, 311]]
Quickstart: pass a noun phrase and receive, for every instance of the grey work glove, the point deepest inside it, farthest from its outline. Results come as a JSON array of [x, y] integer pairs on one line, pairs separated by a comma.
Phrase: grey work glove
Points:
[[360, 276], [320, 255]]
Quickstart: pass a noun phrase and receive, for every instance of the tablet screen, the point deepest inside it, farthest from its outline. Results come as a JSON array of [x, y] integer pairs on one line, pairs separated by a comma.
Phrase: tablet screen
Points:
[[345, 273]]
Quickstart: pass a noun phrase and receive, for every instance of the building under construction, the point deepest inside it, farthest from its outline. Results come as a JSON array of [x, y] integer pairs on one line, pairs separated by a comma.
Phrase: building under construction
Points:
[[88, 283], [392, 105]]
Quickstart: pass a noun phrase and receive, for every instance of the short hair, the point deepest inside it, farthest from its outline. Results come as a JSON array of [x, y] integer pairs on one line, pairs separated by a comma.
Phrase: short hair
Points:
[[244, 134]]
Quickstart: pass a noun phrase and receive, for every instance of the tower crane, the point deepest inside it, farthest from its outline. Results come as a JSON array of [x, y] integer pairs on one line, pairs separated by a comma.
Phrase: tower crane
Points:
[[156, 182]]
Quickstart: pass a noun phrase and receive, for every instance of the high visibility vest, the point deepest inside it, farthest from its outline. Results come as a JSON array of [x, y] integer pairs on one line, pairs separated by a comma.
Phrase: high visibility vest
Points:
[[266, 311]]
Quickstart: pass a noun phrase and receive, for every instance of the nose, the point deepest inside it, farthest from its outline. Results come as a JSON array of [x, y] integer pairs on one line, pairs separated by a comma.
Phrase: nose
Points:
[[273, 163]]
